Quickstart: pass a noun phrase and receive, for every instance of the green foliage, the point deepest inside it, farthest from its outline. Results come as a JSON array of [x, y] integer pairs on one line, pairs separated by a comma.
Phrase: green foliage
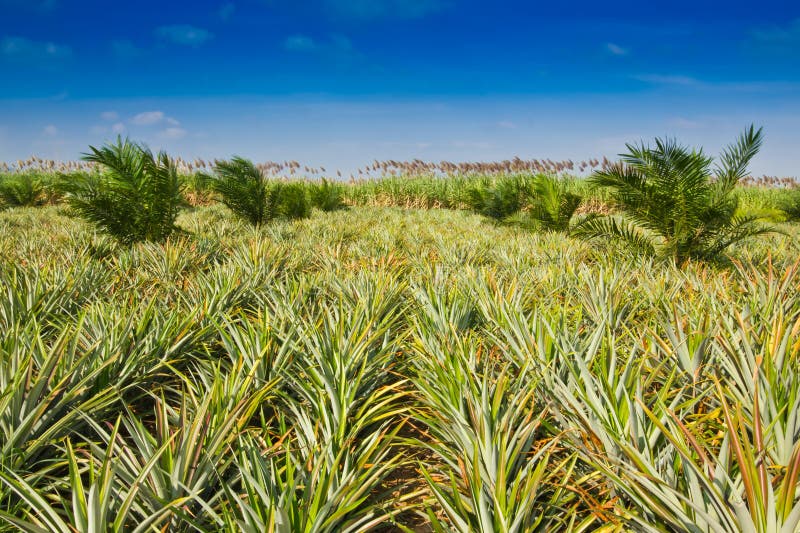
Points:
[[545, 200], [327, 195], [22, 190], [501, 198], [422, 192], [295, 202], [790, 204], [246, 191], [136, 197], [552, 204], [673, 204], [487, 431], [197, 188]]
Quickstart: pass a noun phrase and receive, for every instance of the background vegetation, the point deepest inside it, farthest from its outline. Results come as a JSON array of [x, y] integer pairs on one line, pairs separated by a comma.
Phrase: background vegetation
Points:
[[415, 191]]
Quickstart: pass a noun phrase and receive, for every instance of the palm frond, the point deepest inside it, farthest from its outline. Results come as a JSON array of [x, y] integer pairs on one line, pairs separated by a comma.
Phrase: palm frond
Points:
[[735, 158], [552, 205], [628, 233]]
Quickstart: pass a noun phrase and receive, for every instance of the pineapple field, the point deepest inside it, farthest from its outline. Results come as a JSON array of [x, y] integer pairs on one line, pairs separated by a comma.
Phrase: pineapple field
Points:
[[470, 349]]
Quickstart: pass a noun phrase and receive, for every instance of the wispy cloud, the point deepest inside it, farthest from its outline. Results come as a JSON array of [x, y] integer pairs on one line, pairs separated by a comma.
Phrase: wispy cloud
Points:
[[171, 126], [50, 130], [299, 43], [390, 9], [617, 50], [109, 115], [668, 79], [336, 47], [507, 125], [22, 49], [184, 34], [104, 130], [148, 118], [755, 86]]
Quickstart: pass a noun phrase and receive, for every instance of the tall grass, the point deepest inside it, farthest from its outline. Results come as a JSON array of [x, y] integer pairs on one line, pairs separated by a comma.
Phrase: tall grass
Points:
[[421, 191]]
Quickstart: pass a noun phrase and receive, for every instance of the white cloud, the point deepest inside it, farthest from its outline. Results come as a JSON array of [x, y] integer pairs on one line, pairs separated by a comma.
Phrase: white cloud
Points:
[[109, 115], [728, 85], [153, 118], [148, 118], [50, 130], [173, 133], [184, 34], [336, 47], [118, 128], [616, 49], [22, 49]]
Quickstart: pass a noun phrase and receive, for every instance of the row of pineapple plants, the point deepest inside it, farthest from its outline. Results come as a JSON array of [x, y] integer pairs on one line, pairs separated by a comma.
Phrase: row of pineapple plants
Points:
[[245, 380]]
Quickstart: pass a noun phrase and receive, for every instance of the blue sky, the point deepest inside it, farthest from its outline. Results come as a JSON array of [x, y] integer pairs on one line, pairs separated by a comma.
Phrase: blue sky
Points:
[[342, 82]]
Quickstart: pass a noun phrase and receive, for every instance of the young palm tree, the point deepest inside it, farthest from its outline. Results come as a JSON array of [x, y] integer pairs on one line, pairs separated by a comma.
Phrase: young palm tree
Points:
[[673, 203], [295, 201], [552, 205], [246, 191], [499, 199], [327, 195], [18, 190], [136, 198]]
